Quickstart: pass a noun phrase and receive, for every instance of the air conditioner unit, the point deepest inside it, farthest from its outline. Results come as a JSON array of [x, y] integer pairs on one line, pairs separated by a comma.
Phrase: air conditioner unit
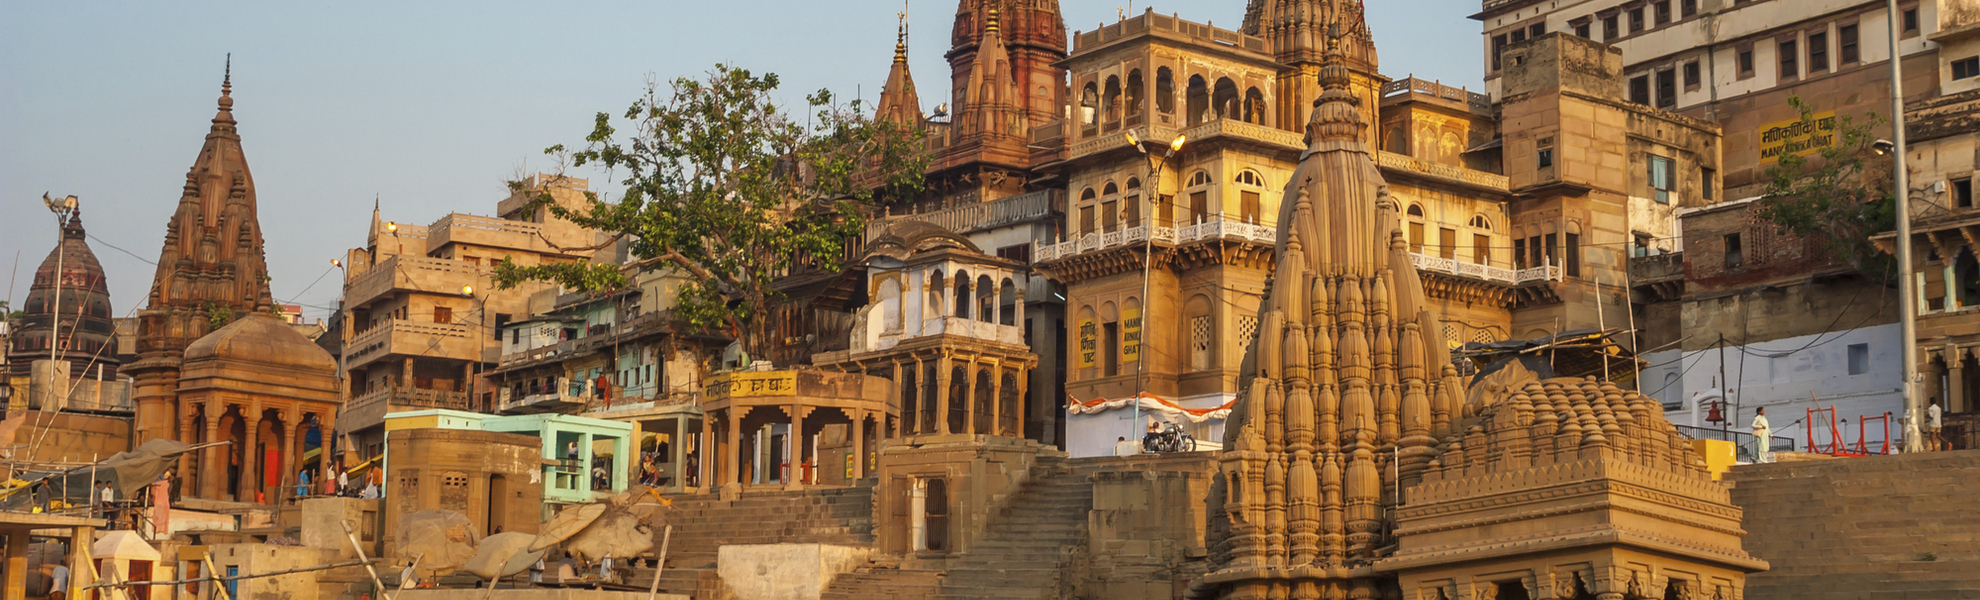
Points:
[[1939, 187]]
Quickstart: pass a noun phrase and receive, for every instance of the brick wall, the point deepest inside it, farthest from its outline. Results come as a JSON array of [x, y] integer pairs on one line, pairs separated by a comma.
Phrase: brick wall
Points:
[[1882, 527]]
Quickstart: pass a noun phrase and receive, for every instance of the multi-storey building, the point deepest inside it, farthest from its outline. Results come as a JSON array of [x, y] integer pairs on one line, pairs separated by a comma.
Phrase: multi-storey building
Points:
[[421, 316], [1786, 322], [1519, 213]]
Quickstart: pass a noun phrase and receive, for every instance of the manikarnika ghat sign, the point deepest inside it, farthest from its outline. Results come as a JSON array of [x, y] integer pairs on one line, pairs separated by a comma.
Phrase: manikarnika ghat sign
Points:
[[1798, 137]]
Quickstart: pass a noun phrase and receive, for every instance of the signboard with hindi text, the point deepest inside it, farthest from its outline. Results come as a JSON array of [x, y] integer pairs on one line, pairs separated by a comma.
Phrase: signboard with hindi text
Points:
[[753, 383], [1089, 343], [1798, 137]]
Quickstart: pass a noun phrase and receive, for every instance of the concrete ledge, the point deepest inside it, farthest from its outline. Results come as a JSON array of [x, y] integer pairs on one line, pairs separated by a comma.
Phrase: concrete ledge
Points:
[[528, 594], [785, 571]]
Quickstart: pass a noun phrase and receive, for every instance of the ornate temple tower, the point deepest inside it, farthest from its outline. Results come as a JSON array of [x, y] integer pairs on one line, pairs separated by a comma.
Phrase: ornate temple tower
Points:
[[85, 323], [1034, 39], [1297, 32], [899, 102], [210, 272], [1340, 387]]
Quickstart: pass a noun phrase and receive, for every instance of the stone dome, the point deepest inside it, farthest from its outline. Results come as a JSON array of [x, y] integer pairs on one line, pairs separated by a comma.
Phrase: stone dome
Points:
[[263, 340], [86, 318]]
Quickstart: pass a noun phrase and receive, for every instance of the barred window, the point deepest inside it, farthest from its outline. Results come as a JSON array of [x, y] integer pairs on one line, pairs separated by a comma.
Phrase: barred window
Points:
[[1199, 342], [1247, 330]]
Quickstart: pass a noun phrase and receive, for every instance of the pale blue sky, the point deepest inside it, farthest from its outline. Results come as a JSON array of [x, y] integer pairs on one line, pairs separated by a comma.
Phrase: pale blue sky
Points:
[[432, 105]]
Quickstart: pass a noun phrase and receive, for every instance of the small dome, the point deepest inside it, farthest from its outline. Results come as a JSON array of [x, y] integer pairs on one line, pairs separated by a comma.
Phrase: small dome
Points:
[[261, 339]]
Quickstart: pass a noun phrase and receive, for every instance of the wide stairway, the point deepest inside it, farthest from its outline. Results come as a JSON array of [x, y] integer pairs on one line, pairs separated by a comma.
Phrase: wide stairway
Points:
[[704, 523], [1019, 557], [1878, 527]]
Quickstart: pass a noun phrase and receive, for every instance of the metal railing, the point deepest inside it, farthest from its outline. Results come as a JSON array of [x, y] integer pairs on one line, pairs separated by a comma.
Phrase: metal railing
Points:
[[978, 216], [1742, 441]]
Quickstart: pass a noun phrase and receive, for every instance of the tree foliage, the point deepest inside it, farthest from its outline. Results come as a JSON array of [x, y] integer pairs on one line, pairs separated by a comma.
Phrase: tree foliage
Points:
[[1840, 197], [724, 186]]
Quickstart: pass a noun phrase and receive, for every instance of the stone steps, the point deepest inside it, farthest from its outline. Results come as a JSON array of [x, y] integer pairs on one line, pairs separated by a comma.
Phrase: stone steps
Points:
[[704, 523]]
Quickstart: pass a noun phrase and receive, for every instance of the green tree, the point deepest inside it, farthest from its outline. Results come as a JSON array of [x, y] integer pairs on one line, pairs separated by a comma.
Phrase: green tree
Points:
[[726, 187], [1840, 197]]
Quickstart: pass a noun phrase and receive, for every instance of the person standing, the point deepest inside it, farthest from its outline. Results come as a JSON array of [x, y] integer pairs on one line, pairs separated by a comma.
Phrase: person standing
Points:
[[1762, 437], [60, 577], [1934, 442], [302, 483], [41, 496]]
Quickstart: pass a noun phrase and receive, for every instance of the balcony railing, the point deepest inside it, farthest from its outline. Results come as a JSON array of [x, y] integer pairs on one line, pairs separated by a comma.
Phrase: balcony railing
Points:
[[1228, 127], [411, 272], [978, 216], [1403, 162], [1215, 229], [1449, 266], [563, 395], [411, 398], [447, 340]]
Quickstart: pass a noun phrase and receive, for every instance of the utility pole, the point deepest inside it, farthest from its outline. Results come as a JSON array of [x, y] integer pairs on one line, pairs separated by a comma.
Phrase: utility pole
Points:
[[1907, 311], [62, 209], [1724, 392], [1154, 192]]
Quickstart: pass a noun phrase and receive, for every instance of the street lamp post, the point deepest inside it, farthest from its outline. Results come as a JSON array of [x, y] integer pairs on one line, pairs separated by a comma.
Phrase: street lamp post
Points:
[[480, 325], [63, 209], [1907, 310], [1154, 185]]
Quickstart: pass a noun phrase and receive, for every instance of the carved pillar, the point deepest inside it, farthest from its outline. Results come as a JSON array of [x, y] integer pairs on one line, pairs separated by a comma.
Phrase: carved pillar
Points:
[[1955, 380], [326, 433], [250, 456], [185, 461], [859, 443], [212, 470], [1023, 411], [969, 397], [942, 394], [796, 455], [291, 447], [732, 469], [997, 400]]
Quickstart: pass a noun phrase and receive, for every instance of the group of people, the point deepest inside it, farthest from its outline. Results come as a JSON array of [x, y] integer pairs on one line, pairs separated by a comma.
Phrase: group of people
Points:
[[1930, 428]]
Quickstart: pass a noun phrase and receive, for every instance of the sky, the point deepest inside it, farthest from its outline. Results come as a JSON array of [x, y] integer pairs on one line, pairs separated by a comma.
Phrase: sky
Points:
[[430, 106]]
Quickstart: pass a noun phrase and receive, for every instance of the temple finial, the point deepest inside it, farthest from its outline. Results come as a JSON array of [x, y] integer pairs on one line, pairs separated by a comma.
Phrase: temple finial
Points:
[[227, 86], [900, 39], [990, 25]]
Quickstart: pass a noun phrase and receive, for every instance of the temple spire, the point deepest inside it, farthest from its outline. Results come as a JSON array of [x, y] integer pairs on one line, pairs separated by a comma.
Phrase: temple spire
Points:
[[898, 101]]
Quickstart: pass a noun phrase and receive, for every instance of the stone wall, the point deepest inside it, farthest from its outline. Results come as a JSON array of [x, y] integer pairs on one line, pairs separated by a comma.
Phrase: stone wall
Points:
[[1879, 527], [70, 437], [494, 479], [1145, 534]]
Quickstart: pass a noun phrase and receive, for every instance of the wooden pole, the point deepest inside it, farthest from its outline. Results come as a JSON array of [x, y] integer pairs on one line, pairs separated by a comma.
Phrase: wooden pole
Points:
[[653, 591], [382, 590], [405, 583], [221, 579], [216, 587]]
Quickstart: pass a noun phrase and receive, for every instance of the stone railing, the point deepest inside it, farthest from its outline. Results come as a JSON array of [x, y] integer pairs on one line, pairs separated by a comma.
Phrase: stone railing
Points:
[[979, 216], [377, 341], [1402, 162], [1096, 144], [1435, 89], [414, 272], [1240, 129], [1448, 266], [459, 227], [1152, 21], [1215, 229], [415, 398]]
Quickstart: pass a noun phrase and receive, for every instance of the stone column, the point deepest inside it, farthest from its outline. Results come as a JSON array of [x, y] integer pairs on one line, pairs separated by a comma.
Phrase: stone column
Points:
[[292, 451], [732, 473], [997, 400], [1955, 380], [212, 470], [796, 453], [1024, 383], [326, 430], [900, 392], [186, 434], [859, 443], [677, 444], [704, 458], [969, 398], [942, 394], [80, 561], [250, 457], [17, 564], [920, 399]]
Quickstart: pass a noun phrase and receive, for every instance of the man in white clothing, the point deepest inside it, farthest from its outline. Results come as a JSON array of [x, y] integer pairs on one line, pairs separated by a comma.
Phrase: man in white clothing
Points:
[[1762, 437], [1933, 441]]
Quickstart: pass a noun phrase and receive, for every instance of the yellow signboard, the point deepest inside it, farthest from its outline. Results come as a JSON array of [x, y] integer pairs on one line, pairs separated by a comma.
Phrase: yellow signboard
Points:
[[1798, 137], [760, 383], [1089, 343], [1131, 335]]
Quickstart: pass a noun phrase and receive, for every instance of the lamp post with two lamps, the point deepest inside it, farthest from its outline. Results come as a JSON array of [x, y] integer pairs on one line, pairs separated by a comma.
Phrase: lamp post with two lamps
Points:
[[474, 364], [1148, 200]]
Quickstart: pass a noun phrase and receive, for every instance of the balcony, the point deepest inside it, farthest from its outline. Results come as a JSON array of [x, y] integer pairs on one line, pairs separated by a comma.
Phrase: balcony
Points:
[[1442, 172], [1233, 128], [1212, 230], [371, 407], [980, 216], [412, 338], [563, 396], [1486, 273], [1411, 88], [411, 273]]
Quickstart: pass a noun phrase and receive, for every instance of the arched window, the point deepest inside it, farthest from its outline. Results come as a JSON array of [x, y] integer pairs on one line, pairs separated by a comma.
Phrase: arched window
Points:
[[936, 290], [1225, 99], [1480, 222], [1086, 211], [1197, 100], [1202, 338], [1165, 91], [1007, 300], [986, 299], [1250, 177], [1134, 85], [1110, 189], [962, 294], [1199, 197], [1110, 340], [1112, 96], [1199, 178], [1254, 106], [1131, 205], [1249, 203], [1416, 210], [1089, 105], [890, 305], [1415, 231], [1110, 215]]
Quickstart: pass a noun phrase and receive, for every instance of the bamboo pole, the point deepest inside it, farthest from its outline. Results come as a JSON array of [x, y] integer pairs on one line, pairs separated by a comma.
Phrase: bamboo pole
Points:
[[222, 579], [653, 591], [382, 590]]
